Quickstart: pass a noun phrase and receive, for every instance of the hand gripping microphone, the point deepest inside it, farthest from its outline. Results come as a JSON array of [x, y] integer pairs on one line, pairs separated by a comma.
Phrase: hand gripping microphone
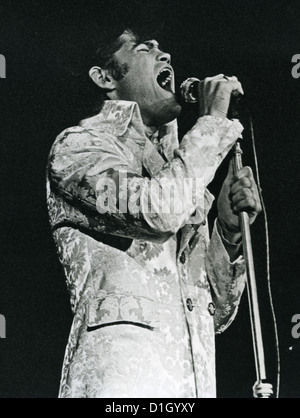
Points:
[[189, 90]]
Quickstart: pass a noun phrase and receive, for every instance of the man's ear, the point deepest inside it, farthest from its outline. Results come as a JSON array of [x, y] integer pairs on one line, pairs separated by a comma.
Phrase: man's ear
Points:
[[102, 78]]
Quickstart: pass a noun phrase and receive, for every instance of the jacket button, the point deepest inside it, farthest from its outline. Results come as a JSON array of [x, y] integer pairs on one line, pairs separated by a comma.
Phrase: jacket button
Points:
[[182, 258], [212, 309], [189, 304]]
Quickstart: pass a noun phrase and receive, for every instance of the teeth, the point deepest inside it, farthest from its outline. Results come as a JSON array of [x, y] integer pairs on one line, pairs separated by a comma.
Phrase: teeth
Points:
[[168, 79], [165, 70]]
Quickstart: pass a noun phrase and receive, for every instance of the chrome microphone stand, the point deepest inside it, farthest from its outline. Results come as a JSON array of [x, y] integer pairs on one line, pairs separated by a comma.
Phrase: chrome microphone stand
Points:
[[261, 389]]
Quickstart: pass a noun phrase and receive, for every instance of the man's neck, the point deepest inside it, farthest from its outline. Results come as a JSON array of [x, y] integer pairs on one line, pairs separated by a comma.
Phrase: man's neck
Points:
[[150, 130]]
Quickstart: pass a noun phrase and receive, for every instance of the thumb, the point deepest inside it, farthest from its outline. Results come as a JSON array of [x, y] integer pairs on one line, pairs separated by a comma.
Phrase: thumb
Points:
[[231, 172]]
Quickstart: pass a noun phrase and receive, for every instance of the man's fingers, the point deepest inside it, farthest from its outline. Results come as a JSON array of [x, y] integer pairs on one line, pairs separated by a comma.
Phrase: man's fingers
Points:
[[247, 204], [243, 178], [243, 183], [216, 77], [246, 198], [234, 86], [245, 172], [243, 194], [215, 94], [231, 84]]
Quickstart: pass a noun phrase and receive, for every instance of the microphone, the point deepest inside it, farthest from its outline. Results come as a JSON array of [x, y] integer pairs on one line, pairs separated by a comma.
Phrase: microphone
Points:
[[190, 94]]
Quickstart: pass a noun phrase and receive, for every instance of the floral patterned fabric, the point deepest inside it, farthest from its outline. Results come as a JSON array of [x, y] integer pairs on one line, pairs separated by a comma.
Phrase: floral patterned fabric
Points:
[[148, 288]]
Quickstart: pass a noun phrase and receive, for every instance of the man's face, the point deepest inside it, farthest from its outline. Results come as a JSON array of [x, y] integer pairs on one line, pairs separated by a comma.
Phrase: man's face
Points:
[[149, 82]]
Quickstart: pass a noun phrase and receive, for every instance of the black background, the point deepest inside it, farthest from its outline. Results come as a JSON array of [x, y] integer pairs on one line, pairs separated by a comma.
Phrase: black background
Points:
[[45, 45]]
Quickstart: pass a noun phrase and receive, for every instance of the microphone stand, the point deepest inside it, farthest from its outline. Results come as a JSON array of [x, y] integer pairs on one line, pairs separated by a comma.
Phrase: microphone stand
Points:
[[260, 388], [190, 93]]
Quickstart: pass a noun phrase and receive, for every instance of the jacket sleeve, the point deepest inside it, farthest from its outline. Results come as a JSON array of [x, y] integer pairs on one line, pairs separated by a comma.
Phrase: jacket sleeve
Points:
[[96, 175], [227, 281]]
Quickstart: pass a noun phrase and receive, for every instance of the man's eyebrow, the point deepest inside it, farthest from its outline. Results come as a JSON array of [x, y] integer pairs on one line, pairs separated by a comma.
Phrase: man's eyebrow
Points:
[[153, 43], [150, 44]]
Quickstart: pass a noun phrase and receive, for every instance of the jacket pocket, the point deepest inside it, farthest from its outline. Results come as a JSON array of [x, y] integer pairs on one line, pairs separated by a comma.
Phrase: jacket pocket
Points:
[[121, 309]]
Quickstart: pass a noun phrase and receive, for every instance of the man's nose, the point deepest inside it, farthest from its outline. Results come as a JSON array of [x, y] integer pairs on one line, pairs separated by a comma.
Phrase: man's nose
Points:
[[164, 57]]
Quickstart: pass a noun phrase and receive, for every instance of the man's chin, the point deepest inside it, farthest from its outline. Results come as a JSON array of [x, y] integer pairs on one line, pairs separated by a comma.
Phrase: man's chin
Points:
[[166, 111]]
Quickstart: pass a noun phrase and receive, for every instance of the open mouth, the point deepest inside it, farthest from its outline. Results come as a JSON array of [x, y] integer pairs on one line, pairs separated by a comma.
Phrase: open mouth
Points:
[[164, 79]]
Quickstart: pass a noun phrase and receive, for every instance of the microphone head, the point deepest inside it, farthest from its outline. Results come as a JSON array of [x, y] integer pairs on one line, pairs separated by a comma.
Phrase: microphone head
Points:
[[189, 90]]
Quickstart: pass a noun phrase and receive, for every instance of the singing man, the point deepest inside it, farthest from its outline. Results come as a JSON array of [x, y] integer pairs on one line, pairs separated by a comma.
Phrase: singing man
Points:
[[128, 208]]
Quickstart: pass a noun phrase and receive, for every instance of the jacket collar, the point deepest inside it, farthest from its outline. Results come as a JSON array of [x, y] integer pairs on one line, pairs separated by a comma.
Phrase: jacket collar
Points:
[[123, 119]]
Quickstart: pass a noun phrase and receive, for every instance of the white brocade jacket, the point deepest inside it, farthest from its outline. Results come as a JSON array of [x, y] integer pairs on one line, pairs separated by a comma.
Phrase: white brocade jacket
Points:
[[148, 288]]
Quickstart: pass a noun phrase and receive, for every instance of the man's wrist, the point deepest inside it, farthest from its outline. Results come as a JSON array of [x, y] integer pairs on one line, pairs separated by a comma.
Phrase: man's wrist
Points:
[[232, 240], [232, 237]]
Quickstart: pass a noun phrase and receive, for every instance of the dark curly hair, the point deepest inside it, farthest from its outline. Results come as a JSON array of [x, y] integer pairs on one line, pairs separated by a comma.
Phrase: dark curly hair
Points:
[[100, 51], [105, 54]]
